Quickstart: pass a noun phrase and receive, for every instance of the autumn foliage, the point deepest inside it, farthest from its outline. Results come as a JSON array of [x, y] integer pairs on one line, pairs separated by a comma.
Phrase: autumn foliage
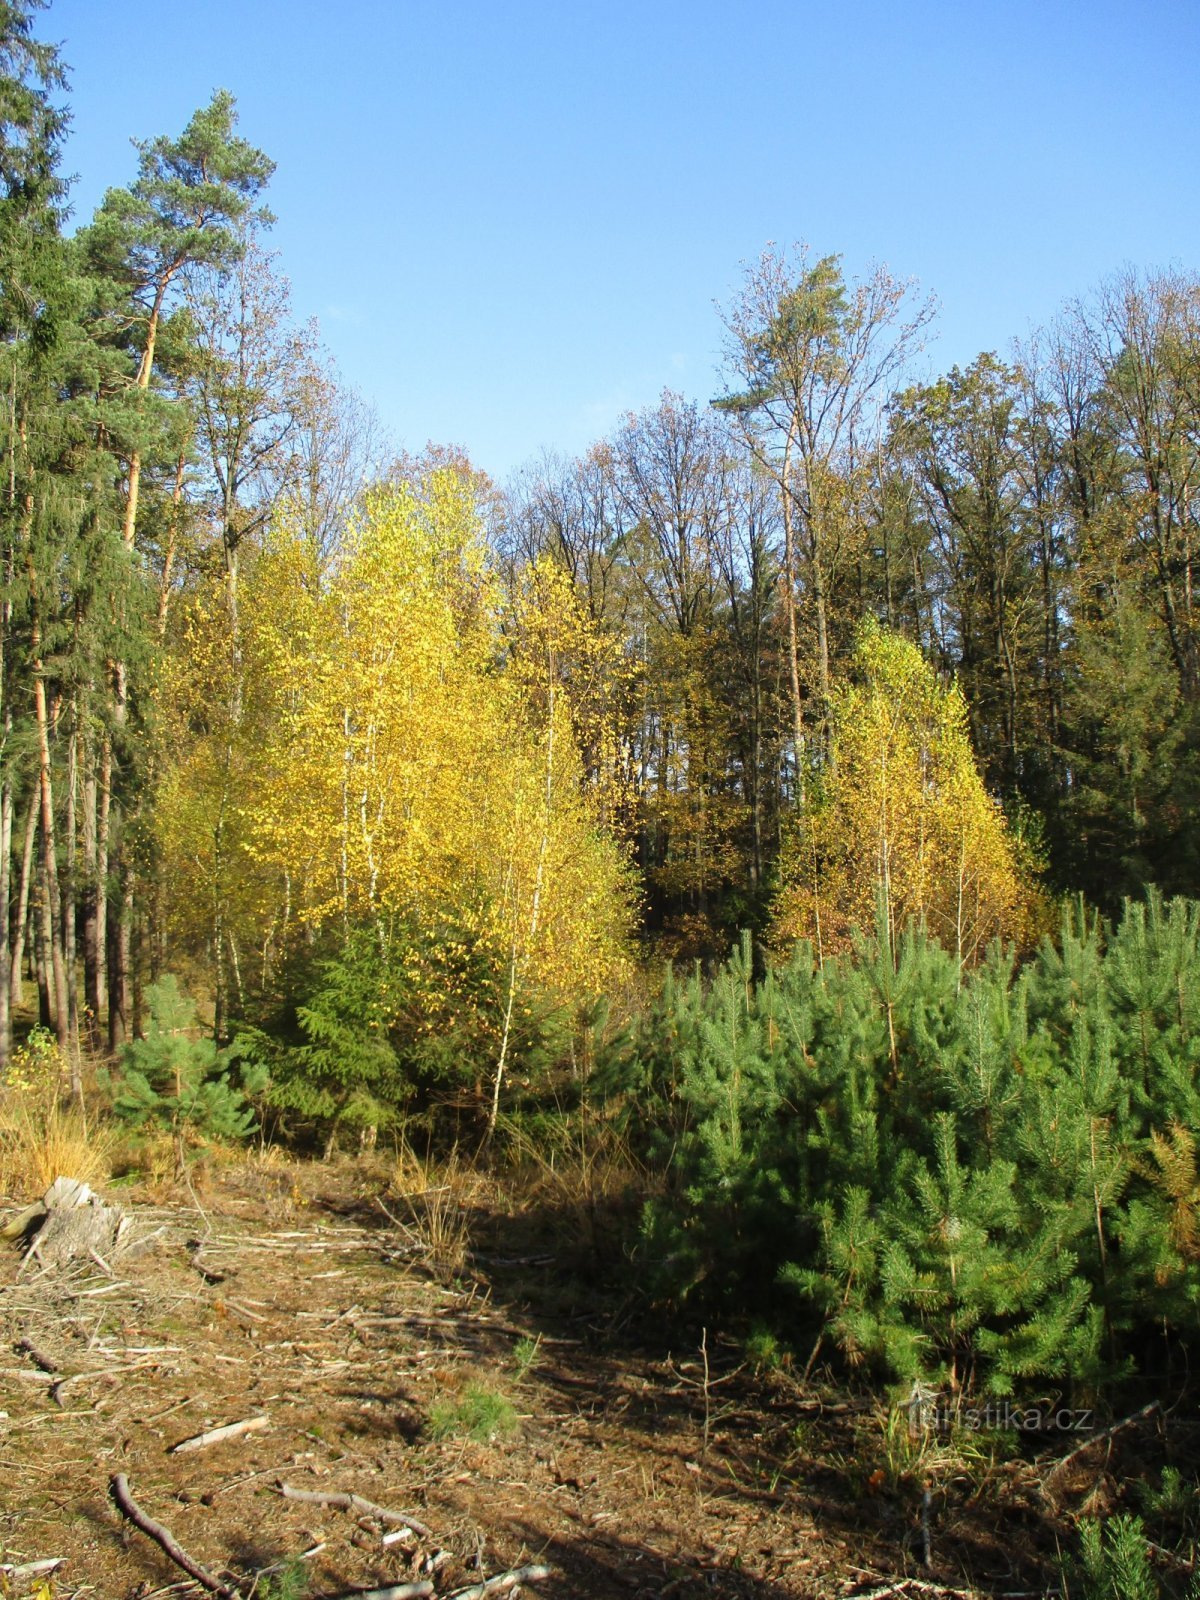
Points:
[[396, 770], [900, 819]]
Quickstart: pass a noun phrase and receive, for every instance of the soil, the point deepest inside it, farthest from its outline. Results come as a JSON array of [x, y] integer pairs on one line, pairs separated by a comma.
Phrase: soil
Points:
[[365, 1336]]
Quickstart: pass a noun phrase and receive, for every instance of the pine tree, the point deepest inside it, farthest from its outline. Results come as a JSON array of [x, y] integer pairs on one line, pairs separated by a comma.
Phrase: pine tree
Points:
[[191, 206], [63, 584], [180, 1081]]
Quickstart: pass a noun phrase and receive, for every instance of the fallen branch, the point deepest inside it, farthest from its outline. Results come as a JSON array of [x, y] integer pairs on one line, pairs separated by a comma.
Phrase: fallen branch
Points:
[[344, 1501], [26, 1347], [236, 1483], [129, 1508], [902, 1584], [196, 1261], [236, 1305], [534, 1573], [56, 1388], [394, 1591], [31, 1569], [1107, 1433], [231, 1430]]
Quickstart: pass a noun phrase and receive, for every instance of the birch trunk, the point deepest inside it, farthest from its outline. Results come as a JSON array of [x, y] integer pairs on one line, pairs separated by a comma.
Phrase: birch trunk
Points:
[[789, 577]]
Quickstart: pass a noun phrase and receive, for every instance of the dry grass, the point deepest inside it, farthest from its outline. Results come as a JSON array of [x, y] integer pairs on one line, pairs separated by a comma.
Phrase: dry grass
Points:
[[43, 1135], [42, 1140], [577, 1159], [431, 1203]]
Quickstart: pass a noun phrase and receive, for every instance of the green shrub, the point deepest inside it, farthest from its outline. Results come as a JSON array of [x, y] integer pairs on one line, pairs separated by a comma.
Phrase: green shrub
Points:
[[389, 1015], [981, 1179], [177, 1079], [1113, 1563]]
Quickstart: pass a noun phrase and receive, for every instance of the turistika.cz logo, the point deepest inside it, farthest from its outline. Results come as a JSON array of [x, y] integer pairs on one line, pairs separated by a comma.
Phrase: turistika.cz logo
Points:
[[997, 1415]]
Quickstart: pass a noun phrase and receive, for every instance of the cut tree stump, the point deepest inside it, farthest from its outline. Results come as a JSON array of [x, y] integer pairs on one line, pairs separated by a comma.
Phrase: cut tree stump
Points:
[[72, 1223]]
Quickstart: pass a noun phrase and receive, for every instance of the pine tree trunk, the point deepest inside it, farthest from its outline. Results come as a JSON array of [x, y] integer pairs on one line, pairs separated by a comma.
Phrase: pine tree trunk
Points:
[[145, 370], [67, 908], [129, 525], [57, 962], [118, 928], [6, 822], [93, 939], [120, 917], [41, 951], [135, 966], [16, 987], [103, 827]]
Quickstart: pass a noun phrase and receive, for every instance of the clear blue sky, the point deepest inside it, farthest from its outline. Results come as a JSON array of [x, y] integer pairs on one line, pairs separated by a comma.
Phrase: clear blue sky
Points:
[[512, 219]]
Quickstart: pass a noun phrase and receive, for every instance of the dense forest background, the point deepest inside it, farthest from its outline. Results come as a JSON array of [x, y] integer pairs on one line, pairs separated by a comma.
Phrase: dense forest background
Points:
[[334, 734]]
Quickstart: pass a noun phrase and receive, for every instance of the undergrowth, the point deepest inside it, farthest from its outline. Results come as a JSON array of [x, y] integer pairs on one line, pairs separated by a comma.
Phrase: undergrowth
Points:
[[482, 1414], [43, 1135]]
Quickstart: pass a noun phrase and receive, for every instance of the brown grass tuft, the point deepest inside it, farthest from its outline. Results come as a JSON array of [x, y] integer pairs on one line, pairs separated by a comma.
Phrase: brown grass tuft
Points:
[[43, 1136], [432, 1204], [41, 1141]]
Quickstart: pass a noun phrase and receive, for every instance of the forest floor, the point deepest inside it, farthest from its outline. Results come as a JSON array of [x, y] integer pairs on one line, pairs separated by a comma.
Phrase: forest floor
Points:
[[463, 1357]]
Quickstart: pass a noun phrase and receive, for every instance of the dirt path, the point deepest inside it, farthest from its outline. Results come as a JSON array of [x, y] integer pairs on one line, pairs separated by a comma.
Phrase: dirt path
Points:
[[498, 1407]]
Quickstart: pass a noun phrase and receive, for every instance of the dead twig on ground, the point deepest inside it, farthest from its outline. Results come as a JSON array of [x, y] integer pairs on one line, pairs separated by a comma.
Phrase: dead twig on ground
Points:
[[57, 1388], [502, 1581], [394, 1591], [342, 1500], [26, 1347], [1097, 1438], [29, 1570], [129, 1508], [920, 1586]]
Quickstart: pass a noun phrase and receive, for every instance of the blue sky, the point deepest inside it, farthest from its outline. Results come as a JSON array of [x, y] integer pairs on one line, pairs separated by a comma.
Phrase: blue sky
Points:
[[513, 219]]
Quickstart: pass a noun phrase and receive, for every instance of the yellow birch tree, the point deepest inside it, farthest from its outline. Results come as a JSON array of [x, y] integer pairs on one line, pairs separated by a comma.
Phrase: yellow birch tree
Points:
[[901, 819], [409, 778]]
